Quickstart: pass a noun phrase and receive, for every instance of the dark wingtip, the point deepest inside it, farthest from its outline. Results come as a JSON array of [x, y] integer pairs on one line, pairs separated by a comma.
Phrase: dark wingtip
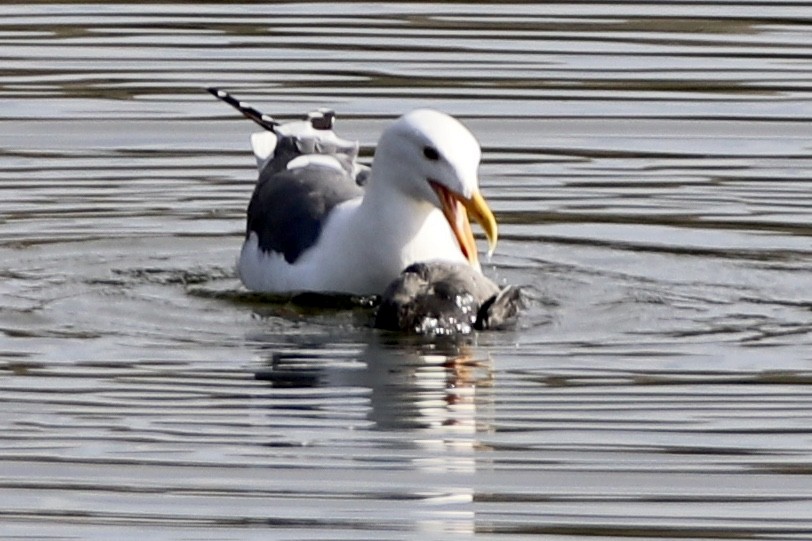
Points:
[[266, 121]]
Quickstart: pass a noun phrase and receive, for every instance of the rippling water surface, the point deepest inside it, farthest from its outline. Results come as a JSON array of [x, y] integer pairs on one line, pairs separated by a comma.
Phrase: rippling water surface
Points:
[[650, 165]]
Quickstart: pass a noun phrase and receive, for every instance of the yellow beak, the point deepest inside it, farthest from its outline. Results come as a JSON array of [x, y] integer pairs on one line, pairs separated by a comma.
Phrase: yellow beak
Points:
[[456, 210]]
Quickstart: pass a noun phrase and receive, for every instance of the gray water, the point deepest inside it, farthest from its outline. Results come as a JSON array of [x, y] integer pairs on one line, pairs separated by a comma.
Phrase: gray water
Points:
[[649, 165]]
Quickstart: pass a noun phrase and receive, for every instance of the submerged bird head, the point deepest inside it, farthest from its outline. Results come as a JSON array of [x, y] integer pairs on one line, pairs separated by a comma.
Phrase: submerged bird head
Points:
[[432, 157]]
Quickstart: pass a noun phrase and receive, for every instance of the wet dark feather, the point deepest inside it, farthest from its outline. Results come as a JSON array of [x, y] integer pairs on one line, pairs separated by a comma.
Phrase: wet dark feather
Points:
[[442, 298]]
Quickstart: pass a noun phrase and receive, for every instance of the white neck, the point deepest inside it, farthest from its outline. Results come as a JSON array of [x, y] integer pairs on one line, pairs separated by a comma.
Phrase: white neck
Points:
[[397, 217], [373, 240], [412, 229]]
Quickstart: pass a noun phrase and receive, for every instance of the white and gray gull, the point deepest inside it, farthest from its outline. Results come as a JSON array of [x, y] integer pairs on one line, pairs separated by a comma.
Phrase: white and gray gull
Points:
[[320, 221]]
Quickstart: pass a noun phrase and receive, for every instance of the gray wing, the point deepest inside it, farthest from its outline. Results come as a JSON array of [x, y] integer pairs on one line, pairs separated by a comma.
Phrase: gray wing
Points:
[[288, 208], [290, 203]]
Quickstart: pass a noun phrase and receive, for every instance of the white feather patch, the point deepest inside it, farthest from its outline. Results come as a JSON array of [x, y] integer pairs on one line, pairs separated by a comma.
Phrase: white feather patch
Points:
[[319, 160], [263, 143]]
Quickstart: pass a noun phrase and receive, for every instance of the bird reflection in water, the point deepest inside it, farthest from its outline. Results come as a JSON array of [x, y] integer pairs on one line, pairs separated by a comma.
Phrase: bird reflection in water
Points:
[[413, 387], [432, 403]]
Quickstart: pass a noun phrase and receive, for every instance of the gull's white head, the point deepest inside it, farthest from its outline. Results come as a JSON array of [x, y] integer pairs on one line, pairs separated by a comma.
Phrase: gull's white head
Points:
[[430, 156]]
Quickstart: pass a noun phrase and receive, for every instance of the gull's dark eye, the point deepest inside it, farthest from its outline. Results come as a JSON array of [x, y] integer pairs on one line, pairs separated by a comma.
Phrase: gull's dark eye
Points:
[[431, 153]]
